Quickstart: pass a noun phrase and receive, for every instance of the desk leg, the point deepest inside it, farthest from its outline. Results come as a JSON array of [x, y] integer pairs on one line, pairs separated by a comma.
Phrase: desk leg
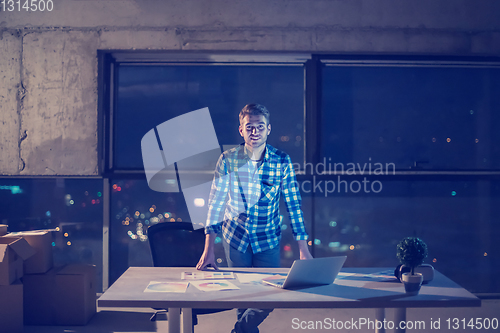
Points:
[[174, 320], [399, 316], [187, 320], [379, 316]]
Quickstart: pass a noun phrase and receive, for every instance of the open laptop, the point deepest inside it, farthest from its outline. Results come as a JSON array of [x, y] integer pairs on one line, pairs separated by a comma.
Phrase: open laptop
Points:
[[317, 271]]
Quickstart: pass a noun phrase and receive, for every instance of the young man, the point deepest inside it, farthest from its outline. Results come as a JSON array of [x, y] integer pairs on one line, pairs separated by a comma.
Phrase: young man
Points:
[[244, 203]]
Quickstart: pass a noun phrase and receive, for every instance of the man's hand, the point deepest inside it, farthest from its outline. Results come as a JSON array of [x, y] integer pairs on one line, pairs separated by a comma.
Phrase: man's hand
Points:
[[304, 250], [207, 259], [208, 256]]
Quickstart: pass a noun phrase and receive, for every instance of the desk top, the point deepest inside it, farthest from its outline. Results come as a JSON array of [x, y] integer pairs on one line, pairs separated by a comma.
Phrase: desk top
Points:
[[347, 292]]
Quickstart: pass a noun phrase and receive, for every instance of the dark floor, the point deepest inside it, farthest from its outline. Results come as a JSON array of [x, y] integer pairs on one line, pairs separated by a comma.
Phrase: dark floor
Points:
[[115, 320]]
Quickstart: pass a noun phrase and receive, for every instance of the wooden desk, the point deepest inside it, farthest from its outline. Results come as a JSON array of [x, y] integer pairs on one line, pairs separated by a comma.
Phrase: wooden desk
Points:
[[348, 292]]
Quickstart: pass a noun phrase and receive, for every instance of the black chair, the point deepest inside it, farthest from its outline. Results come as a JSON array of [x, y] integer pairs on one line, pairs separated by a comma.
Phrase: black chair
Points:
[[177, 244]]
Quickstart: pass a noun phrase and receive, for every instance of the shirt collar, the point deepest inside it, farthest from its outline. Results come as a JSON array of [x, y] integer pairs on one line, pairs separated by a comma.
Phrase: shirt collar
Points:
[[242, 154]]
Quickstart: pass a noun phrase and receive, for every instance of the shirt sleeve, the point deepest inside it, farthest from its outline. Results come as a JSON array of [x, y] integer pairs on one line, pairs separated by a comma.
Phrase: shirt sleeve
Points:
[[218, 196], [291, 194]]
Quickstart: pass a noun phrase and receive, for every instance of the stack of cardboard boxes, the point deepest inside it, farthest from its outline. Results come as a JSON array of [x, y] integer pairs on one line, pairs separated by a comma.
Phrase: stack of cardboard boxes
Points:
[[13, 252], [36, 293]]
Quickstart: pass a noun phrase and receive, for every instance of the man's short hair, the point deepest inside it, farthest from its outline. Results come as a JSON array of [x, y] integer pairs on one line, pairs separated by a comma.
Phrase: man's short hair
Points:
[[254, 110]]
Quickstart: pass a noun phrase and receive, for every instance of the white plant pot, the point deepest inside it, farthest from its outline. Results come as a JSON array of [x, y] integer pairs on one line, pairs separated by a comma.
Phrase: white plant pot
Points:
[[412, 283], [426, 270]]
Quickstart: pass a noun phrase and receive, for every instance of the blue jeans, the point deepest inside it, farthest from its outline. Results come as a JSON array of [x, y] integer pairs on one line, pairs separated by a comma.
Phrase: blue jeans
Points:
[[249, 319]]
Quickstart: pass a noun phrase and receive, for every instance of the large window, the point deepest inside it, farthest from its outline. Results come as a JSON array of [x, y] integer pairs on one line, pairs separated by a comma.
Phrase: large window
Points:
[[423, 136], [134, 207], [148, 95], [71, 207], [384, 148], [415, 115], [456, 218]]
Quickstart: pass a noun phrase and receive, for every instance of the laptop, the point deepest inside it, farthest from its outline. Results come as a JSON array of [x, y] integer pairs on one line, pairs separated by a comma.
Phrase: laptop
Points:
[[317, 271]]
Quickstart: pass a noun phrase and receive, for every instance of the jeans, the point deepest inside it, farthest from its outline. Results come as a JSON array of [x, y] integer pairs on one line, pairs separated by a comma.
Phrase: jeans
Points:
[[248, 320]]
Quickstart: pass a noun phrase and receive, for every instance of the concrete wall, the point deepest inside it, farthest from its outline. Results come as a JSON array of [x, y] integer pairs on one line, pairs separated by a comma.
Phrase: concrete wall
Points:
[[48, 64]]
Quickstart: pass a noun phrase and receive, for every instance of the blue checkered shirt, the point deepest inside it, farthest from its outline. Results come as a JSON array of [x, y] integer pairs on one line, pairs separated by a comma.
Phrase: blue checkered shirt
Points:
[[257, 224]]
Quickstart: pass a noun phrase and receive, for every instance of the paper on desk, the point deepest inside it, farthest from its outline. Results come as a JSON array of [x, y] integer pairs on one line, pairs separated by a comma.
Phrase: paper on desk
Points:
[[378, 276], [343, 275], [166, 287], [252, 277], [214, 285], [382, 276], [207, 275]]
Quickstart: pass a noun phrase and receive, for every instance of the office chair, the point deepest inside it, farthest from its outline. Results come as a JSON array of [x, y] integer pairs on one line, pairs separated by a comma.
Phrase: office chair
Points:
[[177, 244]]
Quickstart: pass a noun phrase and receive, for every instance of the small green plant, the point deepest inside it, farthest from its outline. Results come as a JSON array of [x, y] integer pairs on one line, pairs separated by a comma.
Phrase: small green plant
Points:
[[411, 252]]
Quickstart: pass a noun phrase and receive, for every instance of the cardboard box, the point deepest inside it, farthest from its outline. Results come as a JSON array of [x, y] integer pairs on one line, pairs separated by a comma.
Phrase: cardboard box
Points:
[[39, 305], [3, 229], [62, 296], [13, 252], [41, 241], [76, 296], [11, 308]]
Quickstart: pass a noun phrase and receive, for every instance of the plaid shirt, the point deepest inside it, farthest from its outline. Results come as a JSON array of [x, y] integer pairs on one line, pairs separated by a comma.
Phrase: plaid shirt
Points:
[[253, 217]]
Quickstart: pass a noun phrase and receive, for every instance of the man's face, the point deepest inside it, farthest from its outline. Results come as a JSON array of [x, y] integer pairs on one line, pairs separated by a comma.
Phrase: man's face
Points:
[[255, 129]]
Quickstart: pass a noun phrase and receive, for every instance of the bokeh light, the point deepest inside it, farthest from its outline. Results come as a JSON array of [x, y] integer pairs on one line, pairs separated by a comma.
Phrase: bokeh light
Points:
[[199, 202]]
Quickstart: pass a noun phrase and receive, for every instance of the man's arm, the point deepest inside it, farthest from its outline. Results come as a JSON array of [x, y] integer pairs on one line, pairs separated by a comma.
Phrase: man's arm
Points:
[[216, 207], [217, 199], [293, 200], [304, 250], [208, 256]]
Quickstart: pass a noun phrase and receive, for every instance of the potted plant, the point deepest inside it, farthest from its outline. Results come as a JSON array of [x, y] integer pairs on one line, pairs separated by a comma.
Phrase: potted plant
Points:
[[411, 252]]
